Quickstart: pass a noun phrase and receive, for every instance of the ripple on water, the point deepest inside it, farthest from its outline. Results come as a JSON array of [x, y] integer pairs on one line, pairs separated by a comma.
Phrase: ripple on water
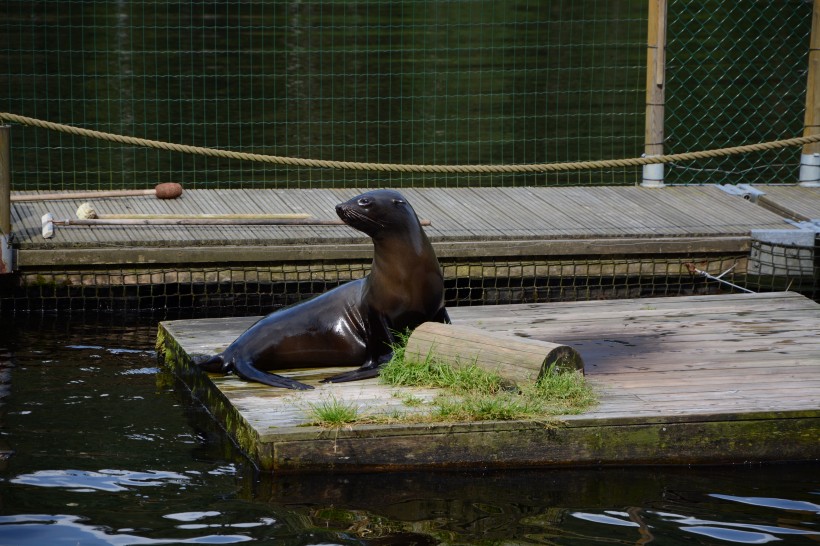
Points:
[[103, 480], [770, 502], [34, 529], [745, 533]]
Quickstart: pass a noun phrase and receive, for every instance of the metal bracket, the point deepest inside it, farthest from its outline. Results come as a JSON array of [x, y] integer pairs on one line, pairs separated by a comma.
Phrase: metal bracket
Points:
[[745, 191], [7, 255]]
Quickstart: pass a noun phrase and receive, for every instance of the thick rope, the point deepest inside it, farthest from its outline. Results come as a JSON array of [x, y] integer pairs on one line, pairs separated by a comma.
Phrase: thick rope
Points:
[[395, 167]]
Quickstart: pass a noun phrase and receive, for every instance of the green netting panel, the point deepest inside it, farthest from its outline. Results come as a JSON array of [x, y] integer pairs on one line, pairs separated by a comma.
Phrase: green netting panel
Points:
[[418, 81], [736, 74], [776, 267], [224, 290]]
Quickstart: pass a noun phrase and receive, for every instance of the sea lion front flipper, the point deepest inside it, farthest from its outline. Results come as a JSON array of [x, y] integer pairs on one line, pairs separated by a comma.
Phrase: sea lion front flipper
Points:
[[248, 372], [442, 316], [365, 372]]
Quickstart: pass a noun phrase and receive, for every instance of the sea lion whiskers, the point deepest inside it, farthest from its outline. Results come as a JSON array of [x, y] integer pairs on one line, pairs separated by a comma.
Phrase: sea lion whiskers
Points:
[[363, 217], [360, 218]]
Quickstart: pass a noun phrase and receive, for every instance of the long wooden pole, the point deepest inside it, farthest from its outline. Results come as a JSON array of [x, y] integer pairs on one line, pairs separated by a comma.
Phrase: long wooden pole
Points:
[[655, 91], [6, 252], [5, 179], [810, 159]]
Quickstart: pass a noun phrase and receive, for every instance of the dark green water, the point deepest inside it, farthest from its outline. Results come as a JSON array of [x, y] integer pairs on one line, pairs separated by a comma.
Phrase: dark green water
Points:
[[109, 452]]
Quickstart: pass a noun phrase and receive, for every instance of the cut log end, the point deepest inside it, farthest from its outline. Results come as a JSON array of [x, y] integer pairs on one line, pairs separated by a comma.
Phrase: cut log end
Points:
[[562, 359]]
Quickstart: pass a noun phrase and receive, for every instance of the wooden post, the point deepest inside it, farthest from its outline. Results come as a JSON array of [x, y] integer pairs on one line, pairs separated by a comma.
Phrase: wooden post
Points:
[[810, 158], [515, 359], [655, 91], [5, 179], [6, 265]]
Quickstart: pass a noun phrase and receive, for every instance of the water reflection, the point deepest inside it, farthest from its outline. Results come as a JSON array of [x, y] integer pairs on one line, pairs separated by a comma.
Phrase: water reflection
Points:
[[104, 480], [110, 450], [766, 502], [728, 531], [37, 530]]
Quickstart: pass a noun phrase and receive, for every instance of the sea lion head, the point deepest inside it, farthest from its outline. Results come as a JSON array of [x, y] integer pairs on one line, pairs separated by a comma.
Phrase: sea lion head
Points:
[[378, 212]]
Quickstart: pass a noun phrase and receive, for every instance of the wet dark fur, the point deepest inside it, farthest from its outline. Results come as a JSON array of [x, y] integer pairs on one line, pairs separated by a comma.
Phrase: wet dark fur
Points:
[[355, 323]]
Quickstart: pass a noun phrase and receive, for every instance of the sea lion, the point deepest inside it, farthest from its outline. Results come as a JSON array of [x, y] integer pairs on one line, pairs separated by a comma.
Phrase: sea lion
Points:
[[355, 323]]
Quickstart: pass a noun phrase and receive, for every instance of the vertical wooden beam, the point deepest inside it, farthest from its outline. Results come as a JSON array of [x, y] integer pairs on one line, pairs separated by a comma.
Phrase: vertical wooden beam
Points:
[[5, 179], [6, 257], [810, 159], [655, 91]]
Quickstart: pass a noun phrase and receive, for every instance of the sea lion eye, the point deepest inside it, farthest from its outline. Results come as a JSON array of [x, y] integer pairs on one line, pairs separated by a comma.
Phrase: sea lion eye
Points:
[[398, 202], [365, 202]]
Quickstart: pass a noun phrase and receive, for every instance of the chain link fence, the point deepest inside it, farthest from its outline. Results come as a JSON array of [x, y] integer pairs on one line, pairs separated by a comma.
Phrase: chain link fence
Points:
[[736, 74], [473, 81], [395, 81], [420, 81]]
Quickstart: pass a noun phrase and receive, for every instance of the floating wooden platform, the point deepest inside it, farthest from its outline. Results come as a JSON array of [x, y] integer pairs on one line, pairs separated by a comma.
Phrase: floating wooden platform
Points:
[[466, 222], [690, 380]]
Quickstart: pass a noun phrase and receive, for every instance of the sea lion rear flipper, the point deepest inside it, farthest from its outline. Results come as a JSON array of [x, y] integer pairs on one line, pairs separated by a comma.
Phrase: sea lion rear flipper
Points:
[[209, 363], [248, 372]]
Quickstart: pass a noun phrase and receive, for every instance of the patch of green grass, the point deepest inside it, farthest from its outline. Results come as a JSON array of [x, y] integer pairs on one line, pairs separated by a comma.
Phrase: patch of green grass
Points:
[[474, 394], [333, 413], [409, 399], [433, 373], [469, 394]]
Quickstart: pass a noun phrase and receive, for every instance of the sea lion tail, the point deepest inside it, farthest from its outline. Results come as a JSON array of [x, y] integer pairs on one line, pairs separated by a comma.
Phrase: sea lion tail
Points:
[[248, 372]]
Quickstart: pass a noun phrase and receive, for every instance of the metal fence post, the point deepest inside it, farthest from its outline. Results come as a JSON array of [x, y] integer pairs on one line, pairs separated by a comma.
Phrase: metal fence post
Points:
[[6, 265], [655, 91], [810, 158]]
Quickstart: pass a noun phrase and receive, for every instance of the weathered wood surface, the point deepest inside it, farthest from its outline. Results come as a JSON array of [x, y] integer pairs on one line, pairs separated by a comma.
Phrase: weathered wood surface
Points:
[[457, 214], [699, 379], [517, 360], [793, 202]]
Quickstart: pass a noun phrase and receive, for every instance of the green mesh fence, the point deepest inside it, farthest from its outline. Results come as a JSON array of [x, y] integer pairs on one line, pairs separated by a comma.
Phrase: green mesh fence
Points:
[[418, 81], [224, 290], [736, 74]]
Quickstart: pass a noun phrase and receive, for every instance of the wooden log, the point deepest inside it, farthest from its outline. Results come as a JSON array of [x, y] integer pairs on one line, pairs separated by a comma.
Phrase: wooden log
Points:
[[515, 359]]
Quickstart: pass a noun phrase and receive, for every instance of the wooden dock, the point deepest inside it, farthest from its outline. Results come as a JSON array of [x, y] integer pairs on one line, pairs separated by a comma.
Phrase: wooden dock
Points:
[[466, 222], [689, 380]]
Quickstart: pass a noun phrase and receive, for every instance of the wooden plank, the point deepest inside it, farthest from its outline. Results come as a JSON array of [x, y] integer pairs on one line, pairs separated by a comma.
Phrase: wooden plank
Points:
[[297, 250], [477, 221], [793, 202], [502, 214], [561, 206], [675, 401]]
